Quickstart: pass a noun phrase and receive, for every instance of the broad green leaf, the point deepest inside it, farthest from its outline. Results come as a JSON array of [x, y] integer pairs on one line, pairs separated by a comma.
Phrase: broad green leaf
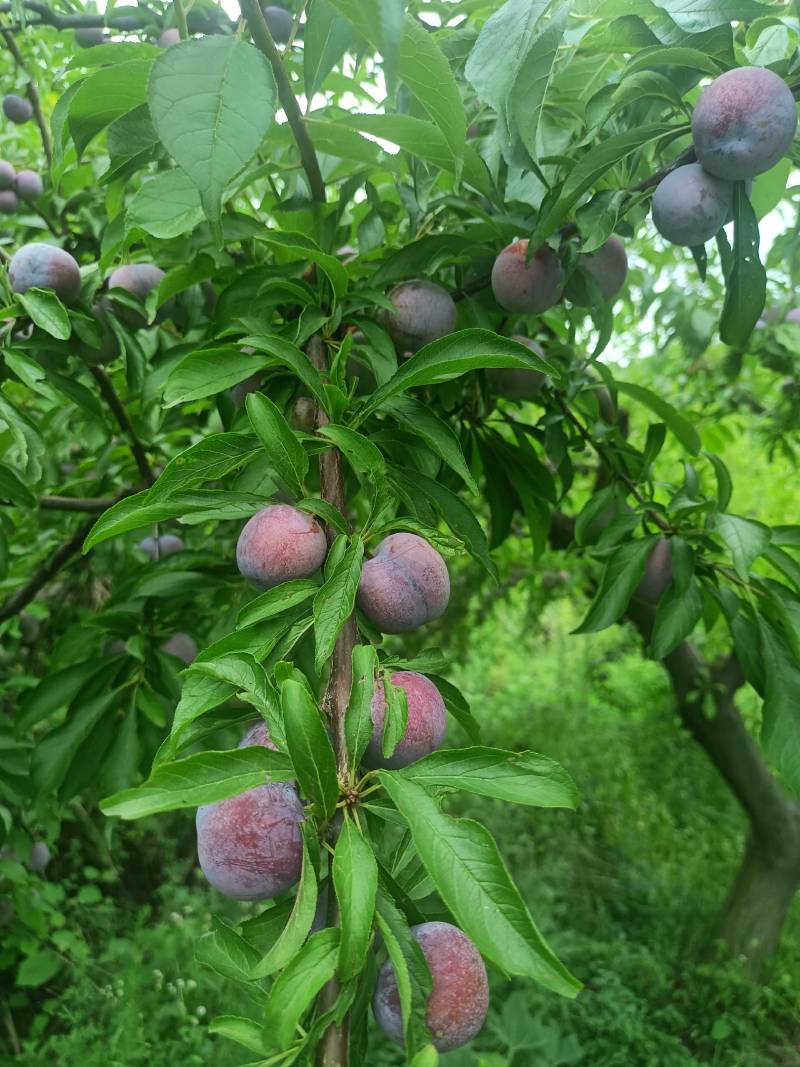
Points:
[[285, 453], [780, 735], [310, 748], [437, 434], [227, 952], [297, 926], [624, 571], [47, 312], [452, 356], [362, 455], [355, 878], [414, 983], [106, 95], [208, 371], [27, 440], [679, 56], [243, 1031], [395, 722], [746, 284], [526, 99], [458, 706], [422, 256], [212, 101], [54, 754], [165, 206], [744, 538], [203, 778], [679, 611], [275, 601], [681, 428], [695, 17], [358, 717], [462, 859], [327, 37], [294, 246], [38, 968], [246, 673], [325, 511], [11, 488], [517, 777], [209, 459], [295, 989], [335, 602], [724, 483], [287, 355]]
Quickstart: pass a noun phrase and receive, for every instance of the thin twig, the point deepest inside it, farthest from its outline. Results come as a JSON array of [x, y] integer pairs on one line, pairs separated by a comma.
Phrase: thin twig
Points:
[[109, 394], [180, 19], [262, 39], [33, 94], [134, 21]]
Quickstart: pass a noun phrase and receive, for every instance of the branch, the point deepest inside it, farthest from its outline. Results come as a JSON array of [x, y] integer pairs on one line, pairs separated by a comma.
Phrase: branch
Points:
[[121, 415], [180, 19], [33, 94], [262, 39], [70, 503], [47, 17], [333, 1048]]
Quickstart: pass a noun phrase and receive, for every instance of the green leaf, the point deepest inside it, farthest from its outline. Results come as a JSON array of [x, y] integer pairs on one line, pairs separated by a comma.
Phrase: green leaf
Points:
[[780, 732], [746, 284], [297, 926], [310, 748], [517, 777], [243, 1031], [105, 96], [245, 672], [290, 245], [362, 455], [203, 778], [285, 354], [680, 427], [745, 540], [327, 37], [593, 166], [724, 483], [208, 371], [206, 461], [462, 859], [325, 511], [55, 753], [452, 356], [335, 602], [36, 970], [227, 952], [11, 488], [47, 312], [358, 717], [355, 878], [296, 988], [436, 433], [26, 438], [165, 206], [696, 17], [276, 601], [458, 706], [284, 451], [396, 717], [679, 611], [212, 101], [624, 571], [526, 99]]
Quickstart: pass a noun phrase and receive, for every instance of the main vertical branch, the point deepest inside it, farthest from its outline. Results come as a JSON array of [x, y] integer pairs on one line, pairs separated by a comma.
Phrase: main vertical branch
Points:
[[333, 1049]]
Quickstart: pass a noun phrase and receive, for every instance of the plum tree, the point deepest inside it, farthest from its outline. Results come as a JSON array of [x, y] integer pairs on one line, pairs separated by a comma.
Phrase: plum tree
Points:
[[181, 646], [157, 547], [8, 202], [138, 279], [743, 123], [518, 384], [657, 574], [527, 288], [169, 37], [279, 543], [459, 999], [427, 720], [29, 185], [279, 22], [423, 312], [404, 585], [250, 846], [89, 36], [8, 176], [17, 109], [690, 205], [41, 266]]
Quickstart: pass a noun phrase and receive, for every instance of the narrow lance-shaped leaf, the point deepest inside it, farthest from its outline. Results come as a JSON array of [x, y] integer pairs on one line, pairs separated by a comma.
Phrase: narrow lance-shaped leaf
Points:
[[310, 748], [358, 717], [746, 284], [623, 573], [355, 878], [285, 452], [335, 601], [297, 926], [295, 989]]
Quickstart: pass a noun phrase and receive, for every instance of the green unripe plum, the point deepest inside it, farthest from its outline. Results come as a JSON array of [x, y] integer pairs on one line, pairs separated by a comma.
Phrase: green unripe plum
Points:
[[423, 312], [8, 176], [8, 202], [41, 266], [459, 999], [280, 543], [657, 574], [527, 288], [404, 585], [89, 36], [17, 109], [427, 720], [279, 23], [518, 384], [169, 37], [29, 185], [137, 279], [250, 846], [182, 647], [744, 122], [690, 206]]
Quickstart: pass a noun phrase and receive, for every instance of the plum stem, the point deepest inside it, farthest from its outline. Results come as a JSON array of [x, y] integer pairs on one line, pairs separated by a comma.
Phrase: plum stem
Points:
[[262, 39], [111, 398]]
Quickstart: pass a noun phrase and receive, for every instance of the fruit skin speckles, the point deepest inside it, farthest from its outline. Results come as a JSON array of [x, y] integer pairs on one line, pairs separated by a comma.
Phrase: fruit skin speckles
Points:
[[280, 543]]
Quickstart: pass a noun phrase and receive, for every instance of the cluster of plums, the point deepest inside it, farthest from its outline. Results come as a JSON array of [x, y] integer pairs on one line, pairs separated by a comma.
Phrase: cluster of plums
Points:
[[250, 846], [743, 124], [16, 185]]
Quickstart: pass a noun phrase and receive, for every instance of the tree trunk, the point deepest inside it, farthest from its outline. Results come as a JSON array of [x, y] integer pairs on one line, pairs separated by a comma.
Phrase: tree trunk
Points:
[[758, 903]]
